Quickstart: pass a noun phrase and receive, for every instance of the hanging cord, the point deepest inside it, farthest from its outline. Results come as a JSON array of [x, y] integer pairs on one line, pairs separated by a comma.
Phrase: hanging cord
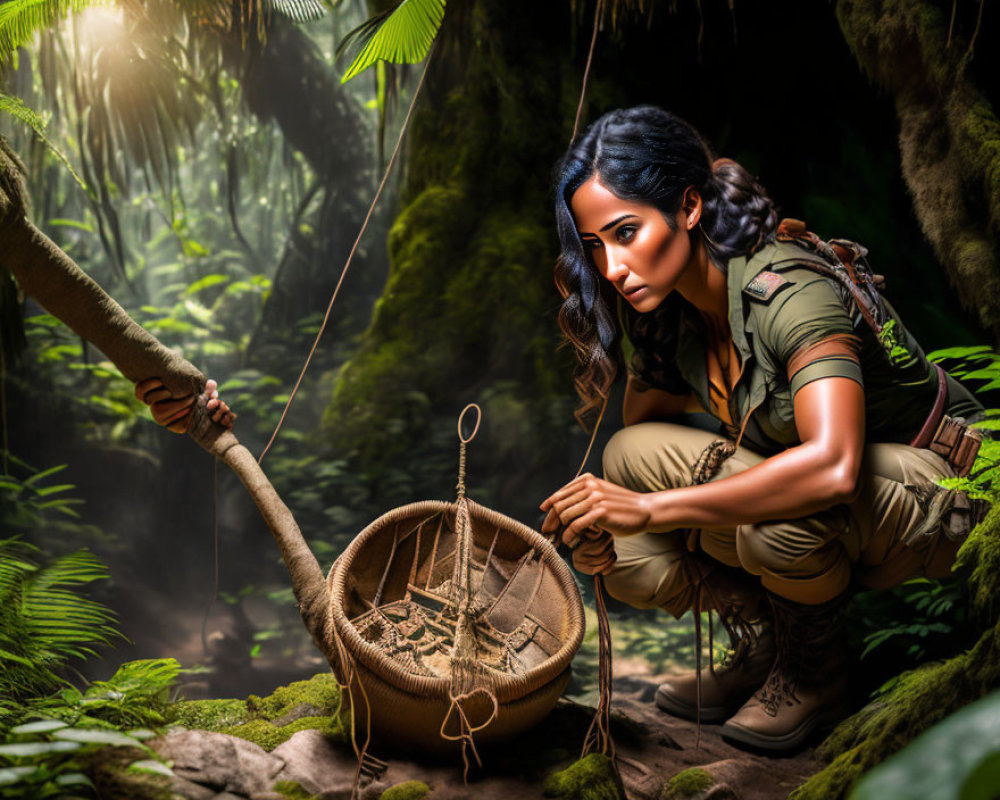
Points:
[[586, 70], [598, 737], [347, 264]]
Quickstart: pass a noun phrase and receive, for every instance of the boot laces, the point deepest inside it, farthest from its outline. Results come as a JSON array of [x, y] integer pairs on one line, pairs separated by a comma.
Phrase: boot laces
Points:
[[782, 681]]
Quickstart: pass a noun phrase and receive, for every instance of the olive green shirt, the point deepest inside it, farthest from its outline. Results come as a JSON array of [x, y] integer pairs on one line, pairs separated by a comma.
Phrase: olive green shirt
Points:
[[774, 315]]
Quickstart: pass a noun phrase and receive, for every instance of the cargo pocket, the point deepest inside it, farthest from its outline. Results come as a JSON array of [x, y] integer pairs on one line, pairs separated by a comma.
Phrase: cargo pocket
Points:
[[946, 511]]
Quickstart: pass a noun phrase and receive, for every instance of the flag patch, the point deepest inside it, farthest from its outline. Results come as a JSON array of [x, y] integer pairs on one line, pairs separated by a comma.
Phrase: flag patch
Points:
[[765, 285]]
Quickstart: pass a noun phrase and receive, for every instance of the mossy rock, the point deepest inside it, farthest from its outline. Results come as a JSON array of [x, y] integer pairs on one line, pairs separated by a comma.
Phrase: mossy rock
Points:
[[208, 715], [320, 692], [591, 778], [292, 790], [269, 721], [689, 783], [922, 697], [408, 790], [110, 769]]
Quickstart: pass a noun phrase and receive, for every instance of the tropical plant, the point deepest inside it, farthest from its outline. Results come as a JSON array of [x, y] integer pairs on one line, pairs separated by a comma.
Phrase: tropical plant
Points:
[[45, 621], [402, 34], [980, 364]]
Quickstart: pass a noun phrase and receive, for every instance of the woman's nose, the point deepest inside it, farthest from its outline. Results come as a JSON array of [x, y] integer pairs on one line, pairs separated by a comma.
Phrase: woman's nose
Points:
[[616, 266]]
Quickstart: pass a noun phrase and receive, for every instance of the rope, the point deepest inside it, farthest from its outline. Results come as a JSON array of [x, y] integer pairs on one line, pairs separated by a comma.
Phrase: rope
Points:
[[598, 737], [586, 72], [347, 264]]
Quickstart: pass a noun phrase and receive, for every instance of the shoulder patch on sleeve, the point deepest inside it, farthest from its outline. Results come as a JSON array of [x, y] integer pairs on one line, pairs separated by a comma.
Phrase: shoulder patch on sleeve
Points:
[[765, 285]]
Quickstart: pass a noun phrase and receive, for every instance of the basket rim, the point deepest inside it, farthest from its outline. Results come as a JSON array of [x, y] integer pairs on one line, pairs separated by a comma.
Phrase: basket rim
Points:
[[506, 687]]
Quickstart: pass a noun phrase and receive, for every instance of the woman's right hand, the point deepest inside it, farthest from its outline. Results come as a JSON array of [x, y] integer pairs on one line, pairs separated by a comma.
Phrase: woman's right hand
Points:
[[595, 552]]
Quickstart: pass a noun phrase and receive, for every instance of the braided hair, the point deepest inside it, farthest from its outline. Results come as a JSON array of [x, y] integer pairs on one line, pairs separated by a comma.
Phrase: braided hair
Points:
[[646, 155]]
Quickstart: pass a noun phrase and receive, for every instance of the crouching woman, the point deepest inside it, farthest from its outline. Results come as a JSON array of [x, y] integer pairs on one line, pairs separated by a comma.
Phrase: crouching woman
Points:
[[835, 426]]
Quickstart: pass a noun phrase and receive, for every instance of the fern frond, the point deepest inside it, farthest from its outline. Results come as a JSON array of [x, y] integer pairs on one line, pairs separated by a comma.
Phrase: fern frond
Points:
[[20, 20], [44, 620], [32, 119], [402, 35]]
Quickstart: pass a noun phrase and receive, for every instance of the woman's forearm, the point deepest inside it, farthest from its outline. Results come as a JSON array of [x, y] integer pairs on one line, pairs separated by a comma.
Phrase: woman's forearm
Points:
[[799, 481], [819, 473]]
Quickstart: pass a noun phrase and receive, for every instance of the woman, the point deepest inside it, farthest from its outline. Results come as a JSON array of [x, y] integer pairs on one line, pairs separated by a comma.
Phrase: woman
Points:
[[679, 259]]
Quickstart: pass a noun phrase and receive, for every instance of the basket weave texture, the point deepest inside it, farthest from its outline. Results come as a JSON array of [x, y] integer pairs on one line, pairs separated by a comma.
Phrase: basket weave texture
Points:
[[526, 608]]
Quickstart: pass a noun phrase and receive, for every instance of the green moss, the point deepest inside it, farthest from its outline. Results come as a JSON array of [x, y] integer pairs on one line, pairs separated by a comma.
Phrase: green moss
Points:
[[268, 735], [268, 721], [320, 692], [917, 700], [292, 790], [409, 790], [980, 556], [208, 715], [687, 784], [590, 778]]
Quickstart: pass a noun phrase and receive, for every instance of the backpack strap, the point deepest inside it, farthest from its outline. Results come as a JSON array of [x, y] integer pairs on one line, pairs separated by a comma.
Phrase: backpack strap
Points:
[[842, 260]]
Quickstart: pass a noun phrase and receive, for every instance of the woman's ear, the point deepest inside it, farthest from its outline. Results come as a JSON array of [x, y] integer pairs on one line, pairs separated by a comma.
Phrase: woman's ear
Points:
[[691, 208]]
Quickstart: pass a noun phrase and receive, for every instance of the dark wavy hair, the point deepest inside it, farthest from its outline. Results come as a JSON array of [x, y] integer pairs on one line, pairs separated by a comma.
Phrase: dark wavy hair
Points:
[[647, 155]]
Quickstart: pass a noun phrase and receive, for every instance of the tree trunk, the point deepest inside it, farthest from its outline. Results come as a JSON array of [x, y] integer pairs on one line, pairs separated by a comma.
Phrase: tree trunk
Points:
[[948, 137]]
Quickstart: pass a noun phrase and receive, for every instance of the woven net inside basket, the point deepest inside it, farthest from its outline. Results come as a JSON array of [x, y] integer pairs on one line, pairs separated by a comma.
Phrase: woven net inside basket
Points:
[[411, 591]]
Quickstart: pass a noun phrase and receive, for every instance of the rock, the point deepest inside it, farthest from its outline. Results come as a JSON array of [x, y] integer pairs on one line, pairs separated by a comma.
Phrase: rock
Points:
[[219, 761], [317, 764]]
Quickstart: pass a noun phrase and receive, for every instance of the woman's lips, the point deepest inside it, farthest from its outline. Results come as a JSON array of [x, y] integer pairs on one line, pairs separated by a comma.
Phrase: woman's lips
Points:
[[634, 294]]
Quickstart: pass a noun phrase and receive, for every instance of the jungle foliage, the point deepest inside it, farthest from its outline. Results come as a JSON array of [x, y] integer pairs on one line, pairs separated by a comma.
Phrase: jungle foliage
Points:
[[225, 169]]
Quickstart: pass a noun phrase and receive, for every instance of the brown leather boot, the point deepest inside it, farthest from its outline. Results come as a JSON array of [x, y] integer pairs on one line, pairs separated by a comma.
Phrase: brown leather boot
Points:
[[806, 688], [724, 688]]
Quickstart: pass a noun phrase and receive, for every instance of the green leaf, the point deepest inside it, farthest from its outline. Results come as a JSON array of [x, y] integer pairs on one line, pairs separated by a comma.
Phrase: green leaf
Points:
[[149, 765], [299, 10], [939, 761], [402, 35], [91, 736], [59, 222], [37, 748], [960, 352], [982, 783], [14, 105], [204, 283], [73, 779], [41, 726], [11, 775]]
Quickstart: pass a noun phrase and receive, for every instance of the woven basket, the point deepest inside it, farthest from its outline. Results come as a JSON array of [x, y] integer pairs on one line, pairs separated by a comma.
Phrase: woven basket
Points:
[[531, 615]]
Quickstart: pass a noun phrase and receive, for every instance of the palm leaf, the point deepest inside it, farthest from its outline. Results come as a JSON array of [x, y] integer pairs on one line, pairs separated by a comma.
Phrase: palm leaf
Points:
[[20, 20], [299, 10], [401, 35]]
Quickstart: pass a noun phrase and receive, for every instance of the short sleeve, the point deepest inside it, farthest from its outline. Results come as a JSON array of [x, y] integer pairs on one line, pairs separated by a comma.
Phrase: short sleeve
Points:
[[810, 332]]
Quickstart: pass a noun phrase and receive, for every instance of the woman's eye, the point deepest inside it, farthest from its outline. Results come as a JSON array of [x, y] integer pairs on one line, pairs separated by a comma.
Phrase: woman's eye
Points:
[[625, 234]]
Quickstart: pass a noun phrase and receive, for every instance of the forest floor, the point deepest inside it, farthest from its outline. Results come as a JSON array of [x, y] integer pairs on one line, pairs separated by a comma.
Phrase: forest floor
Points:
[[651, 749]]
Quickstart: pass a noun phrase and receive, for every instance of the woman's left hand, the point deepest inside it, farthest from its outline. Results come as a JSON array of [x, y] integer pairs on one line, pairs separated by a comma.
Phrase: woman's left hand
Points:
[[590, 502]]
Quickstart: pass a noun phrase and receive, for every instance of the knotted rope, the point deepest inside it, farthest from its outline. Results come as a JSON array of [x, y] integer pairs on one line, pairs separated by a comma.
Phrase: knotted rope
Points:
[[468, 678]]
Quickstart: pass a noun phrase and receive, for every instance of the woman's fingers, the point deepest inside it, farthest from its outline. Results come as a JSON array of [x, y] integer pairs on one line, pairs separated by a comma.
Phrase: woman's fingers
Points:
[[596, 553]]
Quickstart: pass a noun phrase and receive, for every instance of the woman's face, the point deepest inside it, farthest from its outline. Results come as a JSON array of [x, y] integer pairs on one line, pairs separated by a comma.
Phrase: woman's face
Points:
[[631, 243]]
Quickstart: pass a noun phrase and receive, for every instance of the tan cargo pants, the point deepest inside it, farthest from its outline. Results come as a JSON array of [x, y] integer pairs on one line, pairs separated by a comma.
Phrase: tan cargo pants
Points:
[[900, 525]]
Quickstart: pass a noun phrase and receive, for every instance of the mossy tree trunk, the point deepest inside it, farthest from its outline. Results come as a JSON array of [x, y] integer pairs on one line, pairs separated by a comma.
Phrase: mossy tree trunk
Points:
[[949, 137], [468, 313]]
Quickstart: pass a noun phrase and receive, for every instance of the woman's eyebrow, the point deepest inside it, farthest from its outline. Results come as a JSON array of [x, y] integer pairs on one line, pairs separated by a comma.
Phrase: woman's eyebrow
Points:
[[616, 221]]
